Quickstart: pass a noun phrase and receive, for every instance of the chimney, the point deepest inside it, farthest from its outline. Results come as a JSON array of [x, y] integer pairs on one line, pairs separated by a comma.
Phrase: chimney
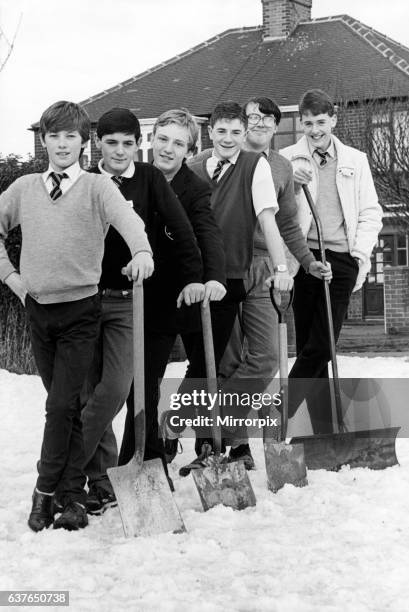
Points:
[[281, 17]]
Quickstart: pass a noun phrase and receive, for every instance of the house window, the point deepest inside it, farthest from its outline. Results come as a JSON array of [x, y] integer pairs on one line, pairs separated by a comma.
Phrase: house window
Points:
[[402, 250], [288, 131], [392, 250]]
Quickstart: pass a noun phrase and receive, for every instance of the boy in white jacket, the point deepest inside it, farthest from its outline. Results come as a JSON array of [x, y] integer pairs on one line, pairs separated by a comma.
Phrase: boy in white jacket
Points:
[[341, 185]]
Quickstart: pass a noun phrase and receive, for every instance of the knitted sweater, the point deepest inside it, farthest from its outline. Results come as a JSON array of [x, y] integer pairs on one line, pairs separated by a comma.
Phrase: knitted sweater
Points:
[[286, 217], [63, 240]]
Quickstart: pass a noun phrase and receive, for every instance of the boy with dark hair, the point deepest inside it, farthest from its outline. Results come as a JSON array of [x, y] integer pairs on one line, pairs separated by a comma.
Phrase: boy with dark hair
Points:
[[175, 134], [242, 194], [257, 323], [110, 378], [63, 215], [341, 185]]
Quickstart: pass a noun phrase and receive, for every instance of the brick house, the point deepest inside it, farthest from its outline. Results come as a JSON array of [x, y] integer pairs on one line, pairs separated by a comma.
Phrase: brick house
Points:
[[287, 54]]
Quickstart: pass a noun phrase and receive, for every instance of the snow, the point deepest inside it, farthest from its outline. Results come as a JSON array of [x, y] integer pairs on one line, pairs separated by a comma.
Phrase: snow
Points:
[[340, 544]]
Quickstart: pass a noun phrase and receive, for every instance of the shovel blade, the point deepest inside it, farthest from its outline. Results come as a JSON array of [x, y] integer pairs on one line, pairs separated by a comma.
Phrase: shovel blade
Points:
[[224, 483], [144, 498], [285, 464], [374, 449]]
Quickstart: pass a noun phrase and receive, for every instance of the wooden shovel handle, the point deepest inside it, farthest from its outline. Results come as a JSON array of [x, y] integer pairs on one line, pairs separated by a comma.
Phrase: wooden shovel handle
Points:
[[138, 372], [211, 372]]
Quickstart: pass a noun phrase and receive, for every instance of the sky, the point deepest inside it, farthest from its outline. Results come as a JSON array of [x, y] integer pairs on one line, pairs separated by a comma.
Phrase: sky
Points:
[[76, 49]]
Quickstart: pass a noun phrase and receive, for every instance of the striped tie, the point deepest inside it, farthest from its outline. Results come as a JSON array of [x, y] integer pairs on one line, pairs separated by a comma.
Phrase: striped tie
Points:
[[218, 170], [56, 178], [323, 157], [117, 180]]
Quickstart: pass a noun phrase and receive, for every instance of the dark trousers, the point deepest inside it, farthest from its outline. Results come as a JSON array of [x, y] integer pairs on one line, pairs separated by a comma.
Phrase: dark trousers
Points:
[[63, 338], [312, 336], [158, 347]]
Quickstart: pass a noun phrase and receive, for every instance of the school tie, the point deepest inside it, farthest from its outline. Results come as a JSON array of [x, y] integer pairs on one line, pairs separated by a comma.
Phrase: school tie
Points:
[[56, 178], [218, 169], [117, 180], [322, 157]]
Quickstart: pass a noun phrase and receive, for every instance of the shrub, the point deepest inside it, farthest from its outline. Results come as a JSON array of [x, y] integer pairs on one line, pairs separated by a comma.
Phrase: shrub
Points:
[[15, 348]]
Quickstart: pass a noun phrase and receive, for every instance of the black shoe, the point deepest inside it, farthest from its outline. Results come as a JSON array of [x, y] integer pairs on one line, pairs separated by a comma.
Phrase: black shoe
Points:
[[57, 505], [242, 453], [200, 442], [73, 517], [100, 499], [41, 515], [206, 451]]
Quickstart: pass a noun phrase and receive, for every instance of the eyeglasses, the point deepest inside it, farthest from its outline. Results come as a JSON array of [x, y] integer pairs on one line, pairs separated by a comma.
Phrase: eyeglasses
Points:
[[255, 118]]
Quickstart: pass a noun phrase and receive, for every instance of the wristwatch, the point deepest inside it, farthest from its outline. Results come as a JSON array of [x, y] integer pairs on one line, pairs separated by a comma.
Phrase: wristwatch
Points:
[[281, 268]]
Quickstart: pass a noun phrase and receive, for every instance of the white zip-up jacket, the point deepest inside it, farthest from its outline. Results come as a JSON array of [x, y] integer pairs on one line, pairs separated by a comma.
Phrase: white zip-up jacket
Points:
[[361, 209]]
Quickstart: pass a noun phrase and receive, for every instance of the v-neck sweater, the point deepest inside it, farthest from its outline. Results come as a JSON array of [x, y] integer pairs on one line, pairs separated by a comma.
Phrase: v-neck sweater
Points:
[[232, 205], [63, 239]]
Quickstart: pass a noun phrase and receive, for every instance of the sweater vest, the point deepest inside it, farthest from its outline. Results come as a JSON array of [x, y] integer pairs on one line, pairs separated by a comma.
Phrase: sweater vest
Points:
[[330, 212], [232, 204]]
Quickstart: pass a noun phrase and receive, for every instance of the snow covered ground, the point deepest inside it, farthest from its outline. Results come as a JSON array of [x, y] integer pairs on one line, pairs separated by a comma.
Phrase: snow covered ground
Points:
[[340, 544]]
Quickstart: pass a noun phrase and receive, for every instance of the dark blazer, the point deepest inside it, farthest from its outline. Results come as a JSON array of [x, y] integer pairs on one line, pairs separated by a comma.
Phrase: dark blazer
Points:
[[194, 195]]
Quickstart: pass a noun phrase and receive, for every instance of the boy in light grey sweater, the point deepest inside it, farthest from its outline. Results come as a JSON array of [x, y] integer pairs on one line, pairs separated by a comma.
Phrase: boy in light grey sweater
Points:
[[64, 214]]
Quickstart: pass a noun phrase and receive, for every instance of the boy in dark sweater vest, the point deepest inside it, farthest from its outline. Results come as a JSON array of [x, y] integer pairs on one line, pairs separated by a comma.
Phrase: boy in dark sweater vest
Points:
[[242, 194], [341, 185], [110, 378], [63, 214]]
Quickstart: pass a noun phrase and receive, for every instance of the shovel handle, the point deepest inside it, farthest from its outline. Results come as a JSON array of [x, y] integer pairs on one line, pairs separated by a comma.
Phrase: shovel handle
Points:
[[211, 372], [283, 361], [333, 352], [280, 308], [138, 372]]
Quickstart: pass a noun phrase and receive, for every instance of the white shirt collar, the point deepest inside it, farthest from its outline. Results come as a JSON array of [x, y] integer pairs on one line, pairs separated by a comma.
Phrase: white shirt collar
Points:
[[232, 160], [73, 172], [330, 151], [128, 173]]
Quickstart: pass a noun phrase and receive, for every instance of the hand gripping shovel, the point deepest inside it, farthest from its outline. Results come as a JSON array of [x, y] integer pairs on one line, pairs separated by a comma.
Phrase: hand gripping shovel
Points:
[[219, 482], [144, 498], [368, 448], [284, 462]]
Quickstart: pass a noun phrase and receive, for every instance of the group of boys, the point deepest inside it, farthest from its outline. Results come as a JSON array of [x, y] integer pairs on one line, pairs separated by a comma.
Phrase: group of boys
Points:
[[214, 225]]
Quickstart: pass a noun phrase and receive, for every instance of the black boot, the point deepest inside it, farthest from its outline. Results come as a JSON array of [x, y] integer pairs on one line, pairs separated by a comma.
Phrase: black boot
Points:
[[242, 453], [73, 517], [41, 515]]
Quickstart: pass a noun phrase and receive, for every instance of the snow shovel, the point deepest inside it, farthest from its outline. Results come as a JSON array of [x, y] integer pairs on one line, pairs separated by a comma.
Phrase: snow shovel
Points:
[[375, 448], [217, 481], [144, 498], [285, 463]]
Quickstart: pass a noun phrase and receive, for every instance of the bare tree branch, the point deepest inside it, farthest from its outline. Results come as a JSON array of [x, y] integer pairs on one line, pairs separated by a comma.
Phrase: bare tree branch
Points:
[[10, 45], [385, 138]]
